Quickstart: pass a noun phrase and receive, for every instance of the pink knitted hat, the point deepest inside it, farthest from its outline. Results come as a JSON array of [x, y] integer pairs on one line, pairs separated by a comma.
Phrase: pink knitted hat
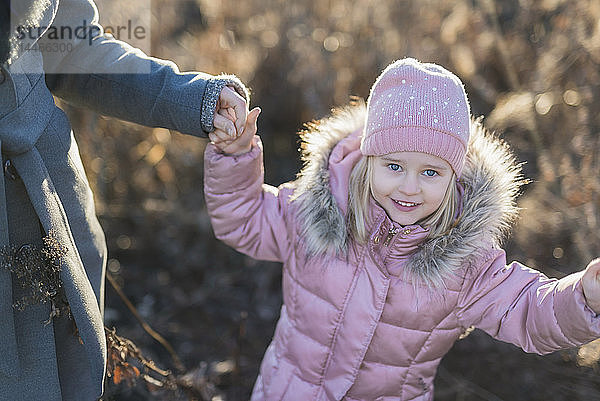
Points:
[[417, 107]]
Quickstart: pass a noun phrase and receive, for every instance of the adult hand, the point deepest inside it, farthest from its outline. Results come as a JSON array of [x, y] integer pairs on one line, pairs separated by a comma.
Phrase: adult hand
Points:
[[242, 143], [591, 285], [237, 110]]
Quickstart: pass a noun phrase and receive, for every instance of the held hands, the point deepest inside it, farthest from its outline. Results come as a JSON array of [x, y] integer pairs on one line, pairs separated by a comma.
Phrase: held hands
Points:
[[234, 126], [230, 100], [591, 285]]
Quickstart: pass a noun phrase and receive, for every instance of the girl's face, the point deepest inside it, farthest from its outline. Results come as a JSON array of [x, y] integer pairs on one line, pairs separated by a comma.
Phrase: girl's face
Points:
[[410, 185]]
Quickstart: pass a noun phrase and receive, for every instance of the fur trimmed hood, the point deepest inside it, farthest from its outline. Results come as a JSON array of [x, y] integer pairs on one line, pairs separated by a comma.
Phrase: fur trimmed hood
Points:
[[491, 179]]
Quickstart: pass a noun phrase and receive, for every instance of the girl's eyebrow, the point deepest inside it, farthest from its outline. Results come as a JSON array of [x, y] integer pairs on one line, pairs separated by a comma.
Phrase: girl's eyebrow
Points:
[[427, 166], [435, 167], [390, 159]]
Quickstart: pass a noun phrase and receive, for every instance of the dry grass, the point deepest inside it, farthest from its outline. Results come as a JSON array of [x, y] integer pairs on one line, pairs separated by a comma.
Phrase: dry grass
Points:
[[531, 67]]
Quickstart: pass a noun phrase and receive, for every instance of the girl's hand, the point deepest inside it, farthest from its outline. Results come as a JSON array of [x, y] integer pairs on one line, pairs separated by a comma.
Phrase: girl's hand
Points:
[[591, 285], [236, 145]]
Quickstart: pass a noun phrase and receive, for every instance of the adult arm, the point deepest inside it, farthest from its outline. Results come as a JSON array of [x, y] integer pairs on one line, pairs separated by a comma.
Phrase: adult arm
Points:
[[516, 304], [115, 79]]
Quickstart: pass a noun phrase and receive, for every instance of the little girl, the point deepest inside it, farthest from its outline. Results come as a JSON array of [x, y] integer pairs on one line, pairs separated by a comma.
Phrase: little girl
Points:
[[390, 243]]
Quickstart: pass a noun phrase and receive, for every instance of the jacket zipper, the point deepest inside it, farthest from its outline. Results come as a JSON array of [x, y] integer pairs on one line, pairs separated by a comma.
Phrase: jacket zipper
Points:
[[393, 231], [390, 235]]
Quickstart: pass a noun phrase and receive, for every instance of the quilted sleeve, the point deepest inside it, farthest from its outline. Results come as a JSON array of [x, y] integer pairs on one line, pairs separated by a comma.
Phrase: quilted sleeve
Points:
[[516, 304], [245, 213]]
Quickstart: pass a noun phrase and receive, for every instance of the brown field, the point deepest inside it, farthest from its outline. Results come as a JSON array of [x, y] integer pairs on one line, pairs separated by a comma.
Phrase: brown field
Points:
[[530, 67]]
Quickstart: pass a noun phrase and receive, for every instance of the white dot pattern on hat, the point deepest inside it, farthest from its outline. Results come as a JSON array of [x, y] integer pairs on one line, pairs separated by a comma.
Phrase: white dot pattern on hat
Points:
[[418, 107]]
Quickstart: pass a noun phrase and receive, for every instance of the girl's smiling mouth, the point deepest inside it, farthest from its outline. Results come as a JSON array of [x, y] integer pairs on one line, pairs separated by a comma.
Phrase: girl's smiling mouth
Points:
[[405, 206]]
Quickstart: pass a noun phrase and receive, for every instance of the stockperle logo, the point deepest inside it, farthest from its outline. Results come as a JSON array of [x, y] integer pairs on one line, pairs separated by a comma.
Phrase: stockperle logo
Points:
[[74, 45]]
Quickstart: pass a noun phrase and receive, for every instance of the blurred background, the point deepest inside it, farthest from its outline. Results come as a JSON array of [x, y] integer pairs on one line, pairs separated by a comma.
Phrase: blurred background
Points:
[[530, 67]]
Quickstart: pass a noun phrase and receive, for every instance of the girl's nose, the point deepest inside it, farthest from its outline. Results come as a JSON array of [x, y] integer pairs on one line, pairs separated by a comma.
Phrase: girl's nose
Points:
[[409, 185]]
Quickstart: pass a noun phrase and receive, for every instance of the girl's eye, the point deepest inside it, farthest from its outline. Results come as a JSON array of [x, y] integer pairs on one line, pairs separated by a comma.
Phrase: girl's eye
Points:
[[430, 173], [394, 166]]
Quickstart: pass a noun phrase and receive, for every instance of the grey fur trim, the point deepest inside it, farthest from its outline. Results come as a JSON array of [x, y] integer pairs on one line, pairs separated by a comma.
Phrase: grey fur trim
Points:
[[322, 223], [491, 179]]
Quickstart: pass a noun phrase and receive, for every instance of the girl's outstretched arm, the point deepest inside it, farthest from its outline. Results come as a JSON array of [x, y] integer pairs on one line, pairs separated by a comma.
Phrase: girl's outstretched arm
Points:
[[245, 213], [516, 304], [591, 285]]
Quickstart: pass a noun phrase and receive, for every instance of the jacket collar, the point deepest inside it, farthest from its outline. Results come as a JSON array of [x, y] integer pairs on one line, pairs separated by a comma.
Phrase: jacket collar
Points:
[[390, 244], [491, 180], [36, 14]]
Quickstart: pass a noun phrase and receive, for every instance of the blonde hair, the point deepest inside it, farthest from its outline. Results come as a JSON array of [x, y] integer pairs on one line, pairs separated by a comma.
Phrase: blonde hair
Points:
[[439, 222]]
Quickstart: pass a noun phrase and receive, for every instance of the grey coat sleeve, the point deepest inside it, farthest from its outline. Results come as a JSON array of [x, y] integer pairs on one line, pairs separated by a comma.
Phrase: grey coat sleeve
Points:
[[109, 76]]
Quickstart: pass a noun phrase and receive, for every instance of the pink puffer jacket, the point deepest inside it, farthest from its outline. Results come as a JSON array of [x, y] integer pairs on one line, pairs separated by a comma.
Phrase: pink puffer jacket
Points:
[[373, 322]]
